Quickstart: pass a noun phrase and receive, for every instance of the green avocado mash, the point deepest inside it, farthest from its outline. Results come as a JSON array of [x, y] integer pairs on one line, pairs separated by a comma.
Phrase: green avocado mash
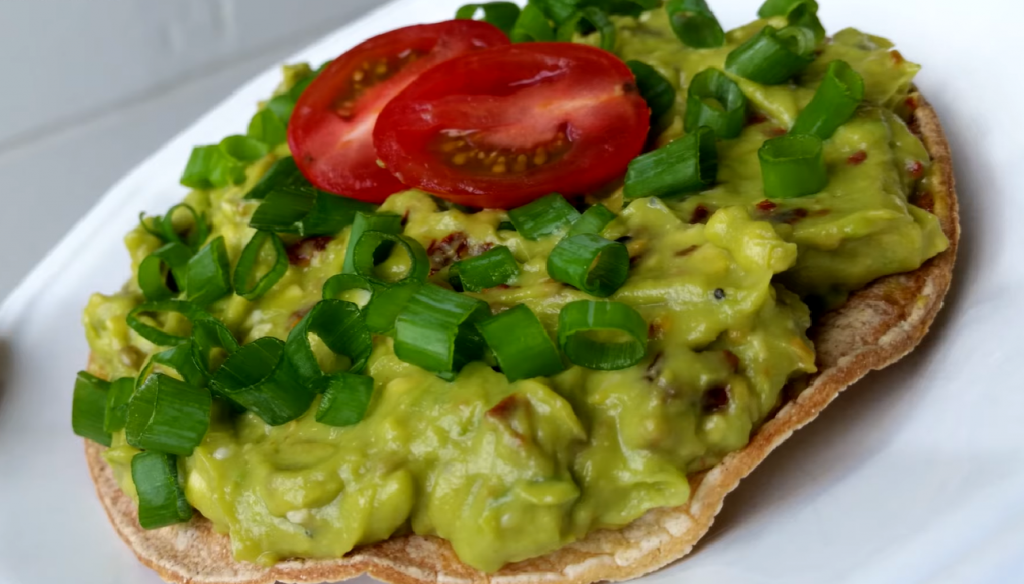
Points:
[[508, 471]]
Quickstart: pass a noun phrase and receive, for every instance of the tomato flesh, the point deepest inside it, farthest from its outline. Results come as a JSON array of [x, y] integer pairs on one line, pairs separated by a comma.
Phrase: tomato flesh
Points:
[[501, 127], [331, 129]]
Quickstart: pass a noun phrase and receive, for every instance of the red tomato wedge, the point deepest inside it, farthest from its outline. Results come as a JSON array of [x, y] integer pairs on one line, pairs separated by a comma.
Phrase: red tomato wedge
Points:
[[501, 127], [331, 130]]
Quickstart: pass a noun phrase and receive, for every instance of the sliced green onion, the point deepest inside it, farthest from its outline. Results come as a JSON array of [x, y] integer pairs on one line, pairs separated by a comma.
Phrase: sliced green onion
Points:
[[209, 274], [782, 7], [506, 226], [180, 359], [520, 344], [487, 270], [167, 415], [773, 56], [593, 220], [156, 335], [282, 106], [591, 263], [602, 335], [306, 212], [283, 173], [793, 166], [194, 237], [835, 102], [531, 26], [243, 149], [655, 89], [295, 92], [209, 335], [544, 216], [152, 227], [89, 408], [501, 14], [593, 16], [268, 128], [436, 330], [259, 378], [346, 399], [116, 413], [171, 259], [385, 306], [363, 222], [247, 285], [684, 166], [805, 15], [346, 284], [209, 168], [365, 257], [162, 500], [695, 24], [340, 326], [717, 102]]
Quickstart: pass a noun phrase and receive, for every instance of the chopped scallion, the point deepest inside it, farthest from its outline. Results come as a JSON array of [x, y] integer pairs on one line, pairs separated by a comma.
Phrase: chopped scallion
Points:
[[487, 270], [346, 398], [520, 344], [501, 14], [351, 287], [156, 335], [162, 499], [259, 378], [655, 89], [436, 330], [545, 216], [116, 414], [593, 17], [212, 342], [531, 26], [782, 7], [268, 128], [366, 256], [793, 166], [835, 102], [163, 273], [363, 222], [247, 284], [386, 304], [773, 56], [602, 335], [282, 174], [306, 211], [340, 326], [88, 408], [591, 263], [694, 24], [167, 415], [715, 101], [209, 274], [593, 220], [685, 166]]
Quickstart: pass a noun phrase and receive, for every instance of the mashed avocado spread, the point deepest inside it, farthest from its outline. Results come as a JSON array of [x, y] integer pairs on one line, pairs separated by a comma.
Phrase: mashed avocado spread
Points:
[[507, 471]]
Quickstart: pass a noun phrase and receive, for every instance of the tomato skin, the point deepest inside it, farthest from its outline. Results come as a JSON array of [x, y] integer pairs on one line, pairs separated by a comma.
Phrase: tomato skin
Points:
[[331, 129], [515, 100]]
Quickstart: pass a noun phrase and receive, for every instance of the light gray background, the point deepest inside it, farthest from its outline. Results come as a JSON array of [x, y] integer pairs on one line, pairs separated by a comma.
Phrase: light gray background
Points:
[[91, 87]]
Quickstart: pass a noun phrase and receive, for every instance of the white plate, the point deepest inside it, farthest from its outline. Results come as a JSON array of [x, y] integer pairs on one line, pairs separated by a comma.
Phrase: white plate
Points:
[[914, 475]]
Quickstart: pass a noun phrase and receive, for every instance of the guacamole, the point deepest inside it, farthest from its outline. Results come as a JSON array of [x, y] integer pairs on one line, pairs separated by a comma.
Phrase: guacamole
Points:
[[511, 470]]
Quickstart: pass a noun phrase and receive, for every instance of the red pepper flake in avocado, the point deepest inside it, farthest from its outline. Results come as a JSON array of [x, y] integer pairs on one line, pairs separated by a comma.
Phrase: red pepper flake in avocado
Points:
[[897, 58], [301, 253], [911, 103], [766, 206], [916, 169], [715, 399], [775, 132], [756, 118], [857, 158], [732, 360], [700, 214]]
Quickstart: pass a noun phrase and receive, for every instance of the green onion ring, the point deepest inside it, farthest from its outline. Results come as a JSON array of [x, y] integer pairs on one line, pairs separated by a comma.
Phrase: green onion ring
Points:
[[199, 231], [715, 101], [244, 270], [531, 26], [209, 274], [793, 166], [161, 497], [772, 56], [593, 220], [487, 270], [261, 379], [833, 104], [579, 318], [436, 330], [167, 415], [501, 14], [363, 222], [590, 263], [179, 358], [545, 216], [694, 24], [339, 284], [282, 174], [341, 327], [173, 257], [654, 88], [209, 334], [782, 7], [116, 413], [155, 335], [89, 408], [386, 304], [685, 166], [346, 399], [520, 344], [596, 18], [365, 256]]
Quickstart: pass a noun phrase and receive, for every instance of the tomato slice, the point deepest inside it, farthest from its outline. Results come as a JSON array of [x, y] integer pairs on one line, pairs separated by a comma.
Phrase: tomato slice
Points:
[[501, 127], [331, 130]]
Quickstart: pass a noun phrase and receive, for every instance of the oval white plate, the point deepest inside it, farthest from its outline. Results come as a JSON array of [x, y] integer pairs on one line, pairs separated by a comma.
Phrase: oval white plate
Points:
[[914, 475]]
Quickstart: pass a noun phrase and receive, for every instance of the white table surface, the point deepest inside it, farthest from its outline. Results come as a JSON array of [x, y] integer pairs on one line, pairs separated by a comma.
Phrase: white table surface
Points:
[[92, 87]]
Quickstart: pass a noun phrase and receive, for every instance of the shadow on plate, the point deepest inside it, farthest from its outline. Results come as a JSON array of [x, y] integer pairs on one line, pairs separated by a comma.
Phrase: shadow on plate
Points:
[[5, 368], [878, 401]]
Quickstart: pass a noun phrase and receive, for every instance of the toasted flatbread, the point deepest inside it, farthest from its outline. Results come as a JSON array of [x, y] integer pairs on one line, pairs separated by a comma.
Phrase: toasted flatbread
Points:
[[876, 327]]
